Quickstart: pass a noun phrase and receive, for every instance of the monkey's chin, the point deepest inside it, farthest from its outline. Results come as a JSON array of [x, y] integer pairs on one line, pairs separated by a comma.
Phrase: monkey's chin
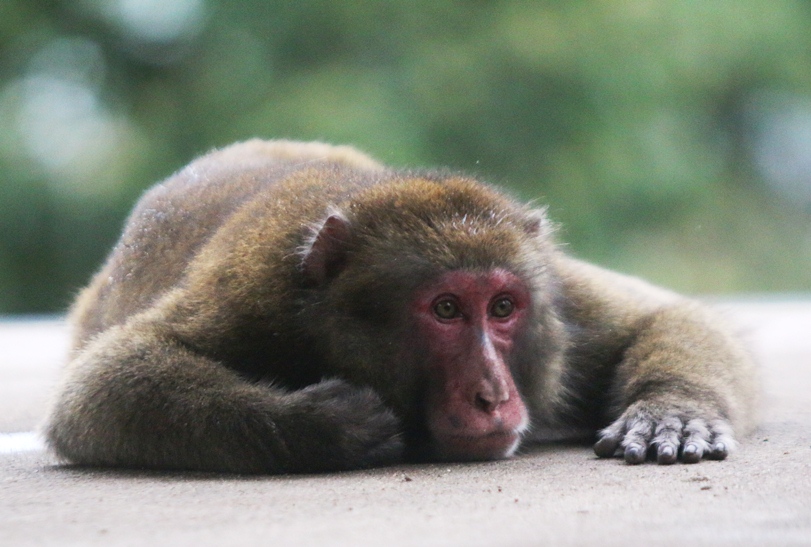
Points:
[[492, 446]]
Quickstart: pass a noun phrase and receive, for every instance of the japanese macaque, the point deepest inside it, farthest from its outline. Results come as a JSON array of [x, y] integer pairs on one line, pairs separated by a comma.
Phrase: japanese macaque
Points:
[[283, 307]]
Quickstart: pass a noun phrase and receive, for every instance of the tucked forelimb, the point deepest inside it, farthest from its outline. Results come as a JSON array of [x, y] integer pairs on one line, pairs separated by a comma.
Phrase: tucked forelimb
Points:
[[682, 386], [136, 397]]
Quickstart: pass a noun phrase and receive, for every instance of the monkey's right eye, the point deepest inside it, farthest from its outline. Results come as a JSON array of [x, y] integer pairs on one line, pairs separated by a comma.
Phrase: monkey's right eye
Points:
[[446, 309]]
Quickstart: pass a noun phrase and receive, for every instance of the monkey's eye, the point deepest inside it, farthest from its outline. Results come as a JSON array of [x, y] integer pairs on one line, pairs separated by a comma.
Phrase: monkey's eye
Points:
[[446, 309], [502, 308]]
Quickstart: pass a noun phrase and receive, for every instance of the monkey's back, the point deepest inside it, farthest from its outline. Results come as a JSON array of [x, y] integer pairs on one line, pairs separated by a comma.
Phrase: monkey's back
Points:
[[175, 219]]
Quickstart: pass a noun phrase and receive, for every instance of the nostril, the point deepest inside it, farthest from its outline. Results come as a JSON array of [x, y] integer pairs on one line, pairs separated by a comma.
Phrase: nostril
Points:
[[491, 395], [487, 403]]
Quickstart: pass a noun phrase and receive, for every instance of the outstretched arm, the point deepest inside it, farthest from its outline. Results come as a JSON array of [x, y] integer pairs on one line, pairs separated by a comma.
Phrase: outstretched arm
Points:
[[681, 386]]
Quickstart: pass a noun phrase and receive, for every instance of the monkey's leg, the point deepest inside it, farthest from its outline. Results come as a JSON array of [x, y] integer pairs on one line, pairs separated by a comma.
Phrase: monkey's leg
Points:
[[135, 397], [682, 384]]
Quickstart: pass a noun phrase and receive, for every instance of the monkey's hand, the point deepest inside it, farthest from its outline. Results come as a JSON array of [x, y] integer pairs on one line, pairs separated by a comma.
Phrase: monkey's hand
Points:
[[342, 427], [648, 430]]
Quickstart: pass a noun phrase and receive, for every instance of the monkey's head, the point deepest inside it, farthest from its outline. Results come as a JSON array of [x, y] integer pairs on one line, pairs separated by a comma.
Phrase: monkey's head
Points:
[[435, 292]]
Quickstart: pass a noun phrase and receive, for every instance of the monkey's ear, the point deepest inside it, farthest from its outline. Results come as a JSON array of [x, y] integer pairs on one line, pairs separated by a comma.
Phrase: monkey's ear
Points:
[[326, 257], [538, 224]]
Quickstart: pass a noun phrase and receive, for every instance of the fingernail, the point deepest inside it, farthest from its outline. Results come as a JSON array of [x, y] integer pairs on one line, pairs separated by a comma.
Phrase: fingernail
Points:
[[634, 455]]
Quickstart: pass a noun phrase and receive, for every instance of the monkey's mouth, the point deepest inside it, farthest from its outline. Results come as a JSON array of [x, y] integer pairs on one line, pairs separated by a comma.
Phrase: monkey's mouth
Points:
[[490, 446]]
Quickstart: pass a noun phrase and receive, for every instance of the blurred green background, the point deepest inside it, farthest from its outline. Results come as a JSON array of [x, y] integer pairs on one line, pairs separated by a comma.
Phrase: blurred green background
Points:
[[671, 139]]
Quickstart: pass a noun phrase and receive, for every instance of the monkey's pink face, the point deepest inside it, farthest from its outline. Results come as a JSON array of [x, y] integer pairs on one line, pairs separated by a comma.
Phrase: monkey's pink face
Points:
[[469, 323]]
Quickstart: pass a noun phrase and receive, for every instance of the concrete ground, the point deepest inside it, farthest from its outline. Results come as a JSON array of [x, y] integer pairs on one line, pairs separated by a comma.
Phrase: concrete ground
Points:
[[551, 495]]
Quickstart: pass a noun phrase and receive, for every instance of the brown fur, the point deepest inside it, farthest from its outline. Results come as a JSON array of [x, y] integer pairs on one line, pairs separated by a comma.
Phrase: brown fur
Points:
[[251, 319]]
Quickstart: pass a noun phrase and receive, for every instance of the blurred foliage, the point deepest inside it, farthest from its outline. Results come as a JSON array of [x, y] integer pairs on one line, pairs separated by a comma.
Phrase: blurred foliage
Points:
[[668, 138]]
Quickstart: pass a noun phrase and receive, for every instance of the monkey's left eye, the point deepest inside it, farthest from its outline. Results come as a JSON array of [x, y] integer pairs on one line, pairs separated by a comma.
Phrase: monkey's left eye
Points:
[[446, 309], [503, 307]]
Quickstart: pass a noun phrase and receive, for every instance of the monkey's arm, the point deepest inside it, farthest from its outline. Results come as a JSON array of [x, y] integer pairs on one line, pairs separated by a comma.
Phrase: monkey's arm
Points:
[[136, 397], [680, 385]]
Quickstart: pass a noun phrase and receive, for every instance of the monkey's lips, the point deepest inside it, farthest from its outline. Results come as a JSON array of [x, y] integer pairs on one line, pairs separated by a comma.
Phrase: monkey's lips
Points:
[[490, 446]]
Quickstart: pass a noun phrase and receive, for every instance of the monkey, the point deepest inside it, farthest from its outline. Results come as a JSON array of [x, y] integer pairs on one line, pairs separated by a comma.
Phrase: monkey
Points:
[[289, 307]]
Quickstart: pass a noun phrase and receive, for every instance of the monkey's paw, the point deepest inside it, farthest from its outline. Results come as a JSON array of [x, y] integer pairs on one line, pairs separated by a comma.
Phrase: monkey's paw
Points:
[[639, 435], [352, 427]]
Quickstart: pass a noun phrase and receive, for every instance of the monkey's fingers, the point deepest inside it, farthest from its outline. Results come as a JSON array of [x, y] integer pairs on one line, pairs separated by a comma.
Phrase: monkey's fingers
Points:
[[713, 440], [722, 440], [637, 439], [359, 430], [626, 437], [667, 440], [696, 442], [608, 444], [638, 435]]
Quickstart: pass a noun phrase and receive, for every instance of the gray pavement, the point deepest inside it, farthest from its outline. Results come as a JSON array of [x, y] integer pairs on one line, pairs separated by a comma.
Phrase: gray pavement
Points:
[[550, 495]]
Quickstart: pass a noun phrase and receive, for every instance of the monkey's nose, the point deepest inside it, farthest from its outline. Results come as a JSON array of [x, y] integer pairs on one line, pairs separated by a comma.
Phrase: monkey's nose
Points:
[[489, 399]]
